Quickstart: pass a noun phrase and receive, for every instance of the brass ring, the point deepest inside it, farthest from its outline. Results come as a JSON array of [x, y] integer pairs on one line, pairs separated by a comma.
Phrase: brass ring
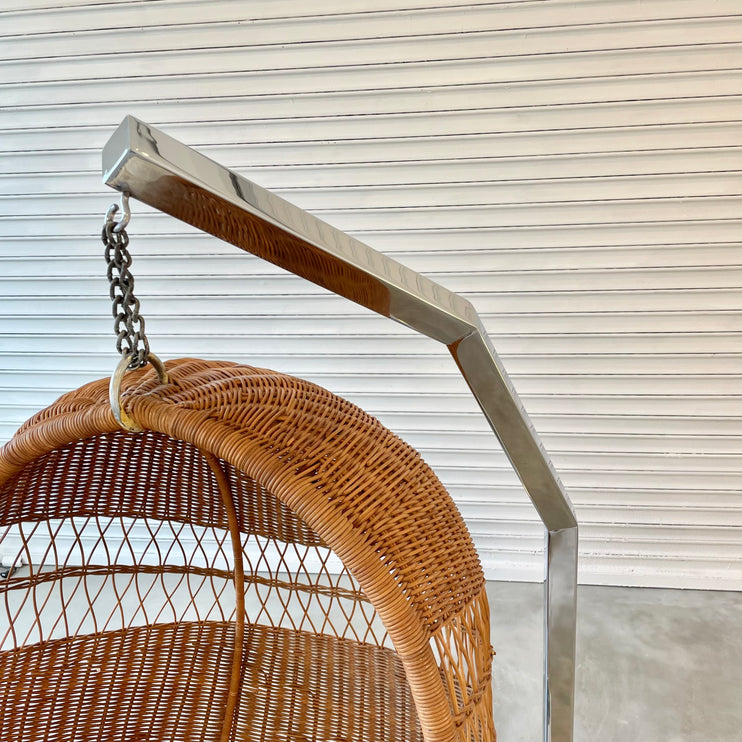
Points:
[[114, 389]]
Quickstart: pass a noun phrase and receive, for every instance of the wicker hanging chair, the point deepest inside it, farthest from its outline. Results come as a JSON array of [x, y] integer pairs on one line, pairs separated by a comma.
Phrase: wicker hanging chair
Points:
[[264, 561]]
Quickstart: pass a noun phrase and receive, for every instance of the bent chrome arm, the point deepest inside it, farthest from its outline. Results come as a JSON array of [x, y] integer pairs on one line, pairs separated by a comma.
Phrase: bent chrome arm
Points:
[[173, 178]]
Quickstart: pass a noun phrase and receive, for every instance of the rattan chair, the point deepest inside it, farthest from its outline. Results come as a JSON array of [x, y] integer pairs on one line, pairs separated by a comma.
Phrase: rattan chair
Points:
[[264, 561]]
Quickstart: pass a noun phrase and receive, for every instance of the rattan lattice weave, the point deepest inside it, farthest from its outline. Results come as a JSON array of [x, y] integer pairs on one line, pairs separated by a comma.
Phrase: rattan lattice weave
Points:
[[264, 562]]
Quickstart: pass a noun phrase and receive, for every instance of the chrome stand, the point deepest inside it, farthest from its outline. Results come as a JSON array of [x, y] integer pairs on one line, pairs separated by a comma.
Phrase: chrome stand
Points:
[[173, 178]]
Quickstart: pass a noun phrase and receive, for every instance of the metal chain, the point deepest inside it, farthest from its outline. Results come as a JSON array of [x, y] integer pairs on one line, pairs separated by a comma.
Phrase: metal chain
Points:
[[128, 323]]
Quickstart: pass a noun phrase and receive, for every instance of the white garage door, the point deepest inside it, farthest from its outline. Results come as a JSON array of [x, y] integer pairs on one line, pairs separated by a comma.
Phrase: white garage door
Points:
[[574, 168]]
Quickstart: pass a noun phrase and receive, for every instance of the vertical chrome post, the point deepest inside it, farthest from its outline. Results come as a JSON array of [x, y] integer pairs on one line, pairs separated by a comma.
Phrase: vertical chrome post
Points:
[[169, 176], [560, 606], [489, 383]]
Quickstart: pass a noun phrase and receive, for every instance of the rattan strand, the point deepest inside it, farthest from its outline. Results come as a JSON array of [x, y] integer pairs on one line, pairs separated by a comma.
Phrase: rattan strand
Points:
[[308, 475]]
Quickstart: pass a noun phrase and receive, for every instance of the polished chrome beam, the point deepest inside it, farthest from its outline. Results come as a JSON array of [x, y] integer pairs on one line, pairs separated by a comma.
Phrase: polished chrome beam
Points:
[[166, 174]]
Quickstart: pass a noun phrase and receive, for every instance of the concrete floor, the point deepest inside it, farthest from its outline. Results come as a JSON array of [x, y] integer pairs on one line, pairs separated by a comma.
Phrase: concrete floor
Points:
[[652, 665]]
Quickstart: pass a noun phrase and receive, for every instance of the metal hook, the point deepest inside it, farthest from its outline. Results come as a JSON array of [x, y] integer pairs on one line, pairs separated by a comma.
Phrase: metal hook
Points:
[[126, 213]]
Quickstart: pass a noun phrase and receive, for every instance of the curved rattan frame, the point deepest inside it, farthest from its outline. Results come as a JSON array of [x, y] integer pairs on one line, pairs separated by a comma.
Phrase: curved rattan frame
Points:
[[366, 493]]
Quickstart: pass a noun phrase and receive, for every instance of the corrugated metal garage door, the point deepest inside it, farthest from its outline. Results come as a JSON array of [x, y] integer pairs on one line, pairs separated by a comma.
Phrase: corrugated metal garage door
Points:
[[574, 168]]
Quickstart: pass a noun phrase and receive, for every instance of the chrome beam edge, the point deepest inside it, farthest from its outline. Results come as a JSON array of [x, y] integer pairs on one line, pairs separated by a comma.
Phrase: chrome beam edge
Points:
[[173, 178]]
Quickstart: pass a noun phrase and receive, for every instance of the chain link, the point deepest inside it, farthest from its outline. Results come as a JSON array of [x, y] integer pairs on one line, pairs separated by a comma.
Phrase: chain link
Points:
[[128, 323]]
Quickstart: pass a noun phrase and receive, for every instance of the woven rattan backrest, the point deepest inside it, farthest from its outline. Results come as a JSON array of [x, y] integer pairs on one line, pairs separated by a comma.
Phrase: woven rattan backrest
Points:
[[300, 528]]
